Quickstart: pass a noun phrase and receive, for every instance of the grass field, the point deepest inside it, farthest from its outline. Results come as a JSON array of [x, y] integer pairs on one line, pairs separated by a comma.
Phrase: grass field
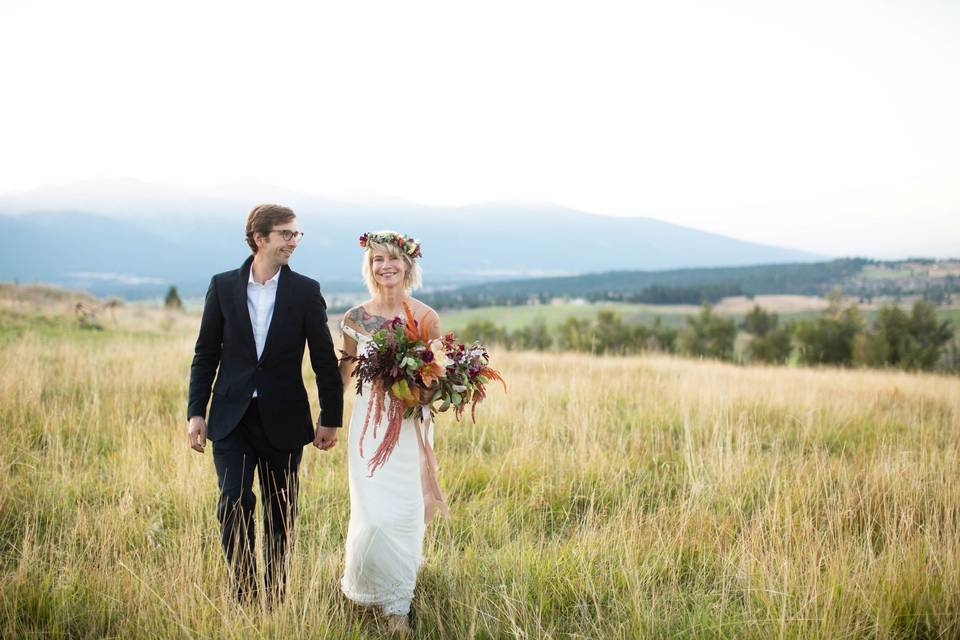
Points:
[[601, 498], [515, 317]]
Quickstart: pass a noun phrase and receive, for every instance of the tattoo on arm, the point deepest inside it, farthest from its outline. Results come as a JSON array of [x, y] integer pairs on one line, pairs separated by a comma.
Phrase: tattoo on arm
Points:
[[364, 321]]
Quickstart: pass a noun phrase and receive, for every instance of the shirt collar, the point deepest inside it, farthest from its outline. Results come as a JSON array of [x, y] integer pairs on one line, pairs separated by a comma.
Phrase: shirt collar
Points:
[[275, 279]]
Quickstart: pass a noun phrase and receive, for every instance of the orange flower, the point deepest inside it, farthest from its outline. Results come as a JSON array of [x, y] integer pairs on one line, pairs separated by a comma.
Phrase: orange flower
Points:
[[432, 372], [415, 330]]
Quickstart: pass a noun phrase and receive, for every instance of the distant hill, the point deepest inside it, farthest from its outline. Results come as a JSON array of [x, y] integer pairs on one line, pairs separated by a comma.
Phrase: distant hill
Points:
[[935, 280], [134, 239]]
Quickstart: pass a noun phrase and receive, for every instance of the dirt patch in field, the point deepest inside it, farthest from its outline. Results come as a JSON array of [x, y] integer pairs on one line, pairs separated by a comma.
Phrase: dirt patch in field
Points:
[[739, 305]]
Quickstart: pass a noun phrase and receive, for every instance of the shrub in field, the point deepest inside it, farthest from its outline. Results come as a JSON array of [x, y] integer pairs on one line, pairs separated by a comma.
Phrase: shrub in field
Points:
[[928, 335], [760, 322], [914, 341], [612, 335], [535, 336], [662, 337], [484, 331], [830, 338], [708, 335], [172, 299], [575, 334], [769, 342]]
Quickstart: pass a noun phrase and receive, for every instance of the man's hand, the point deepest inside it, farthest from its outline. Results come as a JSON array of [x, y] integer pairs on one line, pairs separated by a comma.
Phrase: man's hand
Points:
[[197, 433], [326, 438]]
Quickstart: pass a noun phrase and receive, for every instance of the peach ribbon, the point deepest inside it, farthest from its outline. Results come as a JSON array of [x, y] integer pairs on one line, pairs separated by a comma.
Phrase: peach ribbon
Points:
[[433, 500]]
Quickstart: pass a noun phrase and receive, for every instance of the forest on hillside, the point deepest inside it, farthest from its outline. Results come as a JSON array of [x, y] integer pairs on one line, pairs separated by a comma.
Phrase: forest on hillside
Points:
[[936, 281]]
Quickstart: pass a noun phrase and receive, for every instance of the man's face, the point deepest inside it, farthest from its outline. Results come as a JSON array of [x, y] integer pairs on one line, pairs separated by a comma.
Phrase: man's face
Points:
[[274, 247]]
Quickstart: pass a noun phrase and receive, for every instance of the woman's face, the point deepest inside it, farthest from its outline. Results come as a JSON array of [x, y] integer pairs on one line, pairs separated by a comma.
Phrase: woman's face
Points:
[[388, 271]]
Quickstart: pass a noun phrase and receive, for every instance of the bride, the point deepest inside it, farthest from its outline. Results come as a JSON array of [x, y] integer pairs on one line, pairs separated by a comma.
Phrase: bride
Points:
[[388, 510]]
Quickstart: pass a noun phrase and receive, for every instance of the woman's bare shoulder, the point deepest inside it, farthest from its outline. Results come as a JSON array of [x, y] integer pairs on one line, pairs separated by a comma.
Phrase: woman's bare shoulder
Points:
[[422, 309]]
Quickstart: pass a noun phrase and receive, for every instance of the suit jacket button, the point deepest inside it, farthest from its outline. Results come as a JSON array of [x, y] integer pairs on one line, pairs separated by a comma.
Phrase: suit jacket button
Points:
[[259, 367]]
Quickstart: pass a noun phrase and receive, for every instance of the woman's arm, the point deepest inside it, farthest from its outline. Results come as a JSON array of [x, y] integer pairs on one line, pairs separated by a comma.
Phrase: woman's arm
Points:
[[433, 324], [346, 366]]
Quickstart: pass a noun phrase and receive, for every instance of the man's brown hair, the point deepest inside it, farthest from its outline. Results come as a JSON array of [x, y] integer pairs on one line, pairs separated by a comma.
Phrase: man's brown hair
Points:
[[263, 218]]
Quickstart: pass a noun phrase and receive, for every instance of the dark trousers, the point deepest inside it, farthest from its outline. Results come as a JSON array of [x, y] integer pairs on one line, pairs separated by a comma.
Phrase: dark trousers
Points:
[[236, 457]]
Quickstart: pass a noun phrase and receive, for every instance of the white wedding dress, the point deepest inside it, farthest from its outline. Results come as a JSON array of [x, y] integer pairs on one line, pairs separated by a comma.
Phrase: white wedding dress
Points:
[[387, 518]]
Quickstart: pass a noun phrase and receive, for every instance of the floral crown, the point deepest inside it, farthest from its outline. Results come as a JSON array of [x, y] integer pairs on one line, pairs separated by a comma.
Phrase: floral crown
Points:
[[409, 246]]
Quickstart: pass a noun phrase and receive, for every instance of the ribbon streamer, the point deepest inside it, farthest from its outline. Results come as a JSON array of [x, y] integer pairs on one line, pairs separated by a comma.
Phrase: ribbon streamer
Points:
[[433, 499]]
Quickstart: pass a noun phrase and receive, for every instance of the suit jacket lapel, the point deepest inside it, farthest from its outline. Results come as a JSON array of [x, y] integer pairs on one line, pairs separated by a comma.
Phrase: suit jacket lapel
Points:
[[246, 328], [280, 306]]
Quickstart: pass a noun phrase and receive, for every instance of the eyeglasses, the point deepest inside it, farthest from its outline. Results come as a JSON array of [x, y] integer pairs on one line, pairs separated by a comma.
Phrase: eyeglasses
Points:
[[288, 235]]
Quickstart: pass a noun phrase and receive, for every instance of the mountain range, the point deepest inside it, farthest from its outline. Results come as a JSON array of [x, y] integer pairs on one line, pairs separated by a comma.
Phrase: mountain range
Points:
[[134, 239]]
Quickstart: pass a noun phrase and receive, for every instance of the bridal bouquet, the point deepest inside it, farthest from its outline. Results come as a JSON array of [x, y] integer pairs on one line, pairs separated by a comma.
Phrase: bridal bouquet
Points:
[[401, 360]]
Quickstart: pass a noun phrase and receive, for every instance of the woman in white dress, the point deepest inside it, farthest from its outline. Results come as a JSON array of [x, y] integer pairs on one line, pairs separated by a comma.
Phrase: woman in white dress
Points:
[[389, 509]]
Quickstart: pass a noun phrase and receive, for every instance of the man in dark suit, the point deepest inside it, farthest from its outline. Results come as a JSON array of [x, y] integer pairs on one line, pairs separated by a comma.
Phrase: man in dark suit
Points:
[[256, 320]]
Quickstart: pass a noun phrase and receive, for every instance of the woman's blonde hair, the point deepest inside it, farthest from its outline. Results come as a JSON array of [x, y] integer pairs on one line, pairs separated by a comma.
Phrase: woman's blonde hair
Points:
[[412, 279]]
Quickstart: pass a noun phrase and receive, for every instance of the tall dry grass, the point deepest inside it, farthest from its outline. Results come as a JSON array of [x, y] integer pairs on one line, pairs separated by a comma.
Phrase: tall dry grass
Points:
[[601, 498]]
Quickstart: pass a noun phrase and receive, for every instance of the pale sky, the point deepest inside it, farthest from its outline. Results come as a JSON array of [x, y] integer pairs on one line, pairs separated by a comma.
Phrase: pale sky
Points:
[[826, 126]]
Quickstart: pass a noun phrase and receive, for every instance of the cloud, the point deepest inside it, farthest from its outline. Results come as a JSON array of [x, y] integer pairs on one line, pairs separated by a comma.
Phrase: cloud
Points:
[[120, 278]]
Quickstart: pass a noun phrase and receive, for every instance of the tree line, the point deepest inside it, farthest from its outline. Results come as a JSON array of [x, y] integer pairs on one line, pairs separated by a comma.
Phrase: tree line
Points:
[[839, 336], [697, 285]]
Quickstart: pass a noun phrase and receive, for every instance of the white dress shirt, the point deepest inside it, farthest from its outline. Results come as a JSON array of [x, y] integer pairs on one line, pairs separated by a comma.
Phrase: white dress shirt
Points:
[[261, 299]]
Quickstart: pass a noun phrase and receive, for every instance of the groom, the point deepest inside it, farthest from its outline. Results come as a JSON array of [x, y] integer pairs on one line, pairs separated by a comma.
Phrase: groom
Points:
[[256, 320]]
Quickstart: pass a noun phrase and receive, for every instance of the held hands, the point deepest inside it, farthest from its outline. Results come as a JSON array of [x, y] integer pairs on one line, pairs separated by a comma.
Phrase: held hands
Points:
[[197, 433], [326, 438]]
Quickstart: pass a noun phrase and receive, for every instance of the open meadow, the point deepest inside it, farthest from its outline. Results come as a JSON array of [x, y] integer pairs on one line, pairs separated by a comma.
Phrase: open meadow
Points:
[[602, 497], [788, 308]]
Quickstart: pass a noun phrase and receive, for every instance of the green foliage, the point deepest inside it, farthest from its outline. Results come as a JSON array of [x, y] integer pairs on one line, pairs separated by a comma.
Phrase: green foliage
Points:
[[708, 335], [950, 360], [886, 343], [660, 294], [929, 336], [484, 331], [769, 342], [575, 334], [914, 341], [663, 337], [760, 322], [612, 335], [535, 336], [609, 334], [675, 286], [830, 338], [861, 278], [839, 336], [606, 333], [773, 348], [172, 299]]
